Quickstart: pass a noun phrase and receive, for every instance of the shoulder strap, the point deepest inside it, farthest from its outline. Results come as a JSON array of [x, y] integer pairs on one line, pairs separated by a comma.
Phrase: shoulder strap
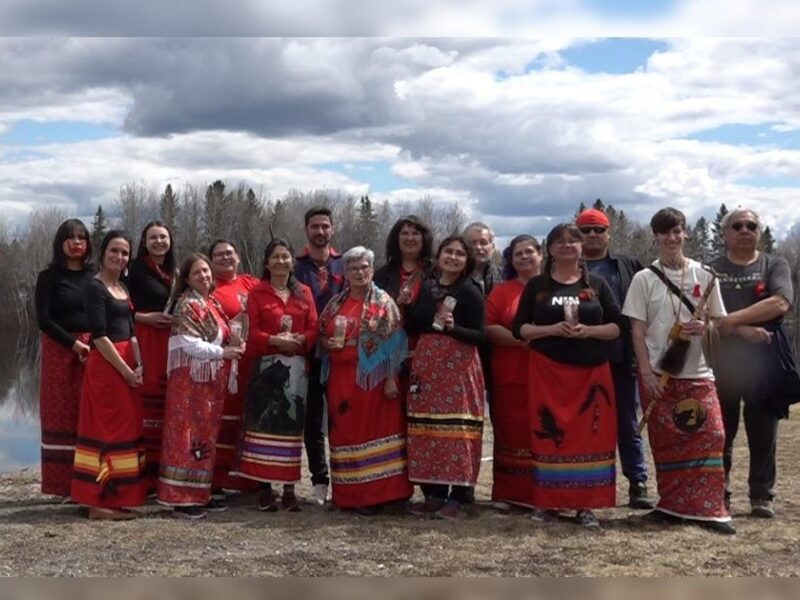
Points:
[[673, 288]]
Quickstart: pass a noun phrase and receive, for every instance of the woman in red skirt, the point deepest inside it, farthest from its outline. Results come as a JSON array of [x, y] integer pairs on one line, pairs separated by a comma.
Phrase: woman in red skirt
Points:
[[567, 315], [447, 394], [150, 281], [109, 454], [64, 340], [362, 331], [283, 332], [512, 468], [231, 290], [685, 428], [198, 378]]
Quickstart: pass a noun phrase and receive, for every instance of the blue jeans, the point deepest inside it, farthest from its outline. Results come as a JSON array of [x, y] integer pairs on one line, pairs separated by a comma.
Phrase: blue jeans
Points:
[[631, 453]]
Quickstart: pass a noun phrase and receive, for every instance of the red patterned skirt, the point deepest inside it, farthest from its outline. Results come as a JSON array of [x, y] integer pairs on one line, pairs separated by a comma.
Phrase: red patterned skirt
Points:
[[367, 437], [109, 453], [60, 381], [574, 438], [192, 417], [230, 433], [687, 438], [153, 342], [445, 407], [512, 468], [272, 444]]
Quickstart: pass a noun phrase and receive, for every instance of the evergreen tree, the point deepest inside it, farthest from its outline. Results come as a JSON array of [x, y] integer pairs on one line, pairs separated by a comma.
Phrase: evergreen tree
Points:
[[215, 217], [599, 205], [698, 245], [767, 243], [99, 227], [717, 240], [581, 208], [367, 224], [169, 207]]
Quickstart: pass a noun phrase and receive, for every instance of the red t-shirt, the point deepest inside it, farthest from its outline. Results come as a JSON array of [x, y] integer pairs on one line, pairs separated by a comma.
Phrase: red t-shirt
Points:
[[227, 292], [509, 363]]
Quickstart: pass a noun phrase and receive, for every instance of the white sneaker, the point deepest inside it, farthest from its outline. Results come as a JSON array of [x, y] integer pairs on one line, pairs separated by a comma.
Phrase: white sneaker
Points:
[[320, 493]]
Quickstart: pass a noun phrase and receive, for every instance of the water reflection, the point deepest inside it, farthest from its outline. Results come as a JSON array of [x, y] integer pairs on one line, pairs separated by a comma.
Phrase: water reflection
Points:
[[19, 403]]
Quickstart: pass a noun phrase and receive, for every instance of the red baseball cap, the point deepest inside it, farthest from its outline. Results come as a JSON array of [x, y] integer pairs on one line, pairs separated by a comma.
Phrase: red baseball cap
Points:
[[592, 216]]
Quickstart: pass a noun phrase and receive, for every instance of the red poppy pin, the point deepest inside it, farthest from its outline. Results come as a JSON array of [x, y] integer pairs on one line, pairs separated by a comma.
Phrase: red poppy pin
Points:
[[583, 296], [760, 289], [696, 291]]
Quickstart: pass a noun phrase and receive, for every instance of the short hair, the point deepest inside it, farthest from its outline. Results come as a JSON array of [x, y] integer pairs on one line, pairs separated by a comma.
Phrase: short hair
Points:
[[219, 241], [509, 272], [169, 259], [113, 235], [479, 225], [186, 268], [316, 211], [667, 219], [470, 266], [729, 217], [275, 243], [359, 253], [65, 231], [394, 257]]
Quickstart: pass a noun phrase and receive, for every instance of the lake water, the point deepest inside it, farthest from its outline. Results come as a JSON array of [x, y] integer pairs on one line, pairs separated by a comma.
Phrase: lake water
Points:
[[19, 405]]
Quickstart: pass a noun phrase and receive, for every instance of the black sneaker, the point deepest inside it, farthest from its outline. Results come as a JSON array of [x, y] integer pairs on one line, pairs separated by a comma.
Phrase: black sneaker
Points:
[[587, 519], [637, 496], [215, 505], [722, 527], [191, 512], [761, 508]]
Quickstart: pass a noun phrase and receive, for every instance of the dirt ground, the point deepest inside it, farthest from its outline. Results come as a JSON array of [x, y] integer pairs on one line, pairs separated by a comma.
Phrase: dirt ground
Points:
[[41, 537]]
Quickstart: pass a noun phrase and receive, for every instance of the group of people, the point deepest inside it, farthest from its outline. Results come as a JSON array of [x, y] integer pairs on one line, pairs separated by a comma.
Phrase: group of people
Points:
[[189, 381]]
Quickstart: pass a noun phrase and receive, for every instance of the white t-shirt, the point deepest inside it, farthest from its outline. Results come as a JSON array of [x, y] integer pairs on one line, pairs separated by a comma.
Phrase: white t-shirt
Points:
[[650, 300]]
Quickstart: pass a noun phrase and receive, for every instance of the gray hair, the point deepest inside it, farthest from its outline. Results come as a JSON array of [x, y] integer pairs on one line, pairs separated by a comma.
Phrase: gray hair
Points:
[[479, 225], [731, 216], [359, 253]]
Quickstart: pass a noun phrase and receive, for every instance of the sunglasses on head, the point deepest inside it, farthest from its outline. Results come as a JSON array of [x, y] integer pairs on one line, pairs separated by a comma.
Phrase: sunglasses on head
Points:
[[598, 230], [749, 224]]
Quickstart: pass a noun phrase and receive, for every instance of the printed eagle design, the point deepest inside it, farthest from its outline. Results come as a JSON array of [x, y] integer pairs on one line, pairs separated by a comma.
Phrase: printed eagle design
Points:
[[591, 397], [549, 428]]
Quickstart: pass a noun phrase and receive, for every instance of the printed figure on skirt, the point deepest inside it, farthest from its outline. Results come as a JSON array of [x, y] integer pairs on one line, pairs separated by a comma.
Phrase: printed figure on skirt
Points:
[[446, 396], [64, 342], [362, 333], [109, 452], [199, 348], [150, 281], [282, 333], [512, 467], [231, 289], [685, 426], [568, 316]]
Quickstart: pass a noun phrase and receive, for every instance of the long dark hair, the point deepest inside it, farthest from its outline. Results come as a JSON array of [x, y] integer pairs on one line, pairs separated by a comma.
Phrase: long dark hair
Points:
[[556, 234], [275, 243], [169, 258], [186, 268], [113, 235], [509, 272], [65, 231], [394, 257], [470, 266]]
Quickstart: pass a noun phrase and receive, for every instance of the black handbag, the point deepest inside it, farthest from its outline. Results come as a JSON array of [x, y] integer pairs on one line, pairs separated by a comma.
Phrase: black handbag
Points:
[[777, 385]]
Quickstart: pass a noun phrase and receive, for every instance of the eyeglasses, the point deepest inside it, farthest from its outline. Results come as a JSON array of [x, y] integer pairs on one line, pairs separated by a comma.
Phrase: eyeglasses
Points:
[[358, 268], [225, 254], [749, 224], [599, 230]]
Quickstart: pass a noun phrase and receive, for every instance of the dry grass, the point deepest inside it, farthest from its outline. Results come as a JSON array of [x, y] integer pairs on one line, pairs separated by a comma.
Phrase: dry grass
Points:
[[40, 537]]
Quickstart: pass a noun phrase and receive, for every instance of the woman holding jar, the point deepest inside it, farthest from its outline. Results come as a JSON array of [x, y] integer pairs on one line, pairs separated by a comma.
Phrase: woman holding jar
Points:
[[362, 332], [282, 334], [447, 394]]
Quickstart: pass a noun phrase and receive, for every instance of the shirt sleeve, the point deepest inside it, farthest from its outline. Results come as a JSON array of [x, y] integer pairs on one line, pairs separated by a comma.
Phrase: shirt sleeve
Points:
[[197, 347], [635, 305], [94, 301], [524, 314], [257, 339], [493, 308], [469, 328], [780, 279], [611, 310], [43, 300], [312, 323]]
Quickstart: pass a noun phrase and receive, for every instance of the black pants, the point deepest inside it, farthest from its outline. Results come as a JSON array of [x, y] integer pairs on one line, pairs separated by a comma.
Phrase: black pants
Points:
[[761, 427], [313, 433], [461, 493]]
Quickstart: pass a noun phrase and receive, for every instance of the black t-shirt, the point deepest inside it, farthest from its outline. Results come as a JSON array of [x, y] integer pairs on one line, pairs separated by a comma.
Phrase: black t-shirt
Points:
[[107, 316], [59, 303], [149, 293], [468, 314], [549, 310]]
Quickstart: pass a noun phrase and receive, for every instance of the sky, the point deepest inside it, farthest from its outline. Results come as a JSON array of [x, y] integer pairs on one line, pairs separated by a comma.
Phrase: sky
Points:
[[535, 107]]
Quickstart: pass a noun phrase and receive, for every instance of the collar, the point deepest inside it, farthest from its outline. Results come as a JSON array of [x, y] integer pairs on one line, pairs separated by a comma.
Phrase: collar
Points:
[[304, 254]]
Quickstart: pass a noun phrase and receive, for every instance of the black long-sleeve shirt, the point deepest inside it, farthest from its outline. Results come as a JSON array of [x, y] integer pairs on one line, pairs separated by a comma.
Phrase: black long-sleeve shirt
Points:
[[549, 310], [107, 316], [468, 315], [149, 293], [60, 312]]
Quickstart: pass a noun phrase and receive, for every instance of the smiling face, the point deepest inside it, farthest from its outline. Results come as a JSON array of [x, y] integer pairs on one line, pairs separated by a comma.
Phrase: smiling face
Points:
[[280, 262], [526, 259], [742, 232], [319, 231], [116, 255], [359, 273], [224, 261], [200, 277], [566, 247], [452, 259], [410, 239], [670, 243], [157, 242]]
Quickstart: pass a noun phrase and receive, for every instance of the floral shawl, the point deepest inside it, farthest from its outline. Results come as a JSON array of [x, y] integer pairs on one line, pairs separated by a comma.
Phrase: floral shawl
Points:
[[196, 317], [382, 342]]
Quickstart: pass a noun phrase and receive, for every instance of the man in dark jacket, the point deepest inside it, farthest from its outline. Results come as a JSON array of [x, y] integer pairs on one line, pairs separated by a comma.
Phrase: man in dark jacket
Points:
[[618, 271]]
